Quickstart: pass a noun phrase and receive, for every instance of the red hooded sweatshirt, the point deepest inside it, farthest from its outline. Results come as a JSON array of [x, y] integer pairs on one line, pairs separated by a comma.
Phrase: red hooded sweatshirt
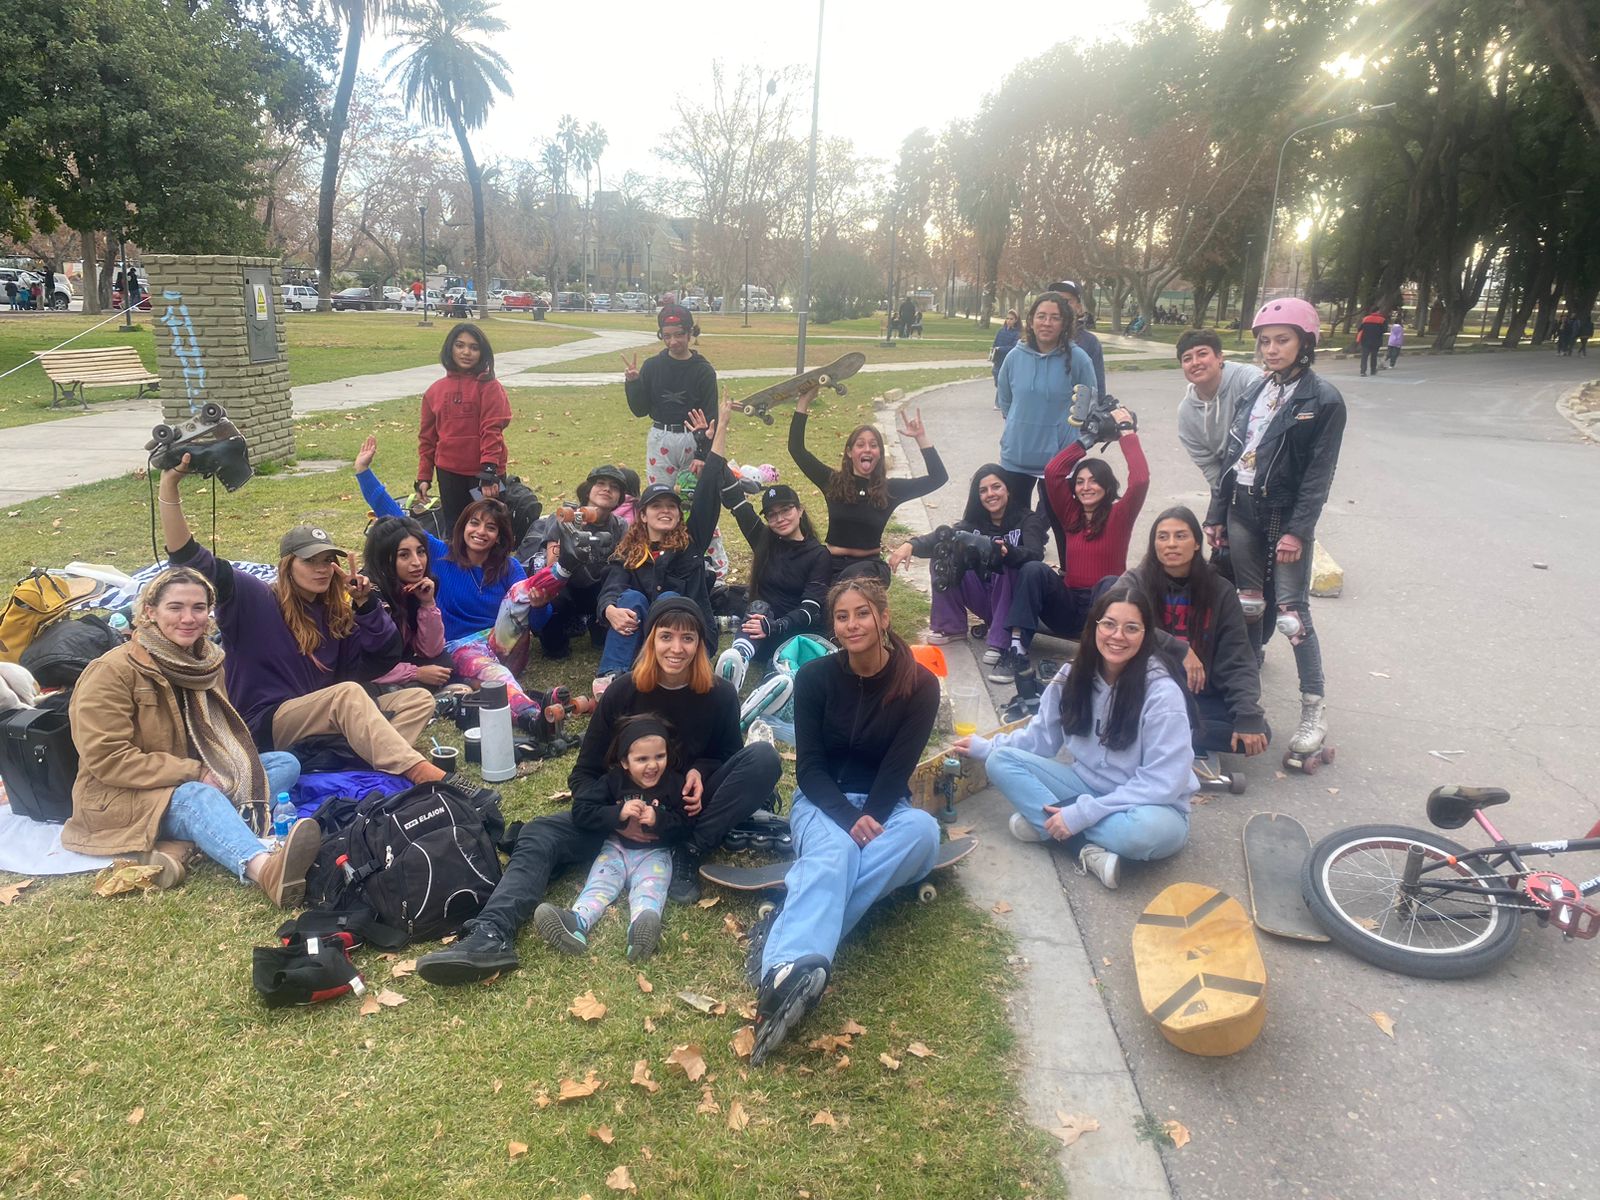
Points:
[[463, 418]]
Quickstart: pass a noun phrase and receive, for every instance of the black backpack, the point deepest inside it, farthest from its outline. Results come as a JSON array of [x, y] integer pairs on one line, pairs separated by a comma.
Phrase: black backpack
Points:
[[524, 505], [423, 861], [60, 652]]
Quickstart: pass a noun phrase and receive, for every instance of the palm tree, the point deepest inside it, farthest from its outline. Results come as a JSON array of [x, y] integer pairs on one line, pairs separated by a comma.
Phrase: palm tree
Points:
[[554, 161], [356, 16], [447, 77], [591, 145]]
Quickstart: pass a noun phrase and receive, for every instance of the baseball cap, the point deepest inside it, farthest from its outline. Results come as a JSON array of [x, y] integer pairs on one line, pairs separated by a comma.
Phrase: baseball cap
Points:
[[1065, 285], [675, 316], [777, 496], [307, 541], [659, 491]]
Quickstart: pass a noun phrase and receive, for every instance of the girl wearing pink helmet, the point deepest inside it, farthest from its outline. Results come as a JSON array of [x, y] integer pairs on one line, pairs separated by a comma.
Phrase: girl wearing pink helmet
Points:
[[1283, 448]]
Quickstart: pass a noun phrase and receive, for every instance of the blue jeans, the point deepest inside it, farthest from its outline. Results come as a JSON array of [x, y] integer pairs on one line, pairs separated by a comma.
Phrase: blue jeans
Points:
[[1031, 781], [622, 648], [199, 813], [834, 881]]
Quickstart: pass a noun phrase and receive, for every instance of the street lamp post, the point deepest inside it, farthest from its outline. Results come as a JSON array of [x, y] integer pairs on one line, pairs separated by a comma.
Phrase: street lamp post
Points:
[[1272, 215], [811, 199], [647, 286], [1244, 289], [422, 223]]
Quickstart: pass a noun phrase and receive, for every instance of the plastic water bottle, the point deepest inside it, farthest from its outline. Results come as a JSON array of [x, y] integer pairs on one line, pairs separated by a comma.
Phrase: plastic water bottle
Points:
[[284, 815]]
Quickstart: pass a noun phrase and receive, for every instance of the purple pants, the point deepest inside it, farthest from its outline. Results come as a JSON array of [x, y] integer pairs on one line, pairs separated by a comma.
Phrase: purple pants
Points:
[[990, 601]]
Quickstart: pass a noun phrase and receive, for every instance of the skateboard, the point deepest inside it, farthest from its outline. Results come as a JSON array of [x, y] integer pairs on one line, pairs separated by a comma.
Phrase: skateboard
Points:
[[770, 876], [763, 402], [1201, 977], [1275, 849], [1308, 764], [943, 779], [1224, 774]]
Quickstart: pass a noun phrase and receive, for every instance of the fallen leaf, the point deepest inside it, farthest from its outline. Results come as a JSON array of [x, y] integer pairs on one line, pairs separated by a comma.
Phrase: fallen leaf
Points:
[[708, 1103], [1279, 775], [11, 891], [370, 1005], [730, 924], [124, 876], [490, 980], [560, 797], [641, 1077], [852, 1029], [543, 1099], [602, 1133], [1074, 1126], [620, 1181], [689, 1059], [1178, 1132], [586, 1007], [1105, 961], [136, 1115], [887, 1060], [829, 1042], [390, 999], [920, 1050], [1000, 906], [571, 1089], [649, 1025], [824, 1117], [959, 831], [747, 1011], [1384, 1022], [645, 985], [841, 1062], [1333, 791], [496, 1086], [515, 1150], [708, 902], [699, 1002], [744, 1041], [737, 1117], [401, 969]]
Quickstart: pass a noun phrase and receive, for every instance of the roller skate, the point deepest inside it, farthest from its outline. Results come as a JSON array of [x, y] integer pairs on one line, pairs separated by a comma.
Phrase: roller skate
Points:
[[213, 443], [769, 696], [1307, 751], [1026, 702], [788, 992], [548, 725]]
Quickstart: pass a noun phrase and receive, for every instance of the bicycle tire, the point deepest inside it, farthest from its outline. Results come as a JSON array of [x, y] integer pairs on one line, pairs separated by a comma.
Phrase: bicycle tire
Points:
[[1374, 931]]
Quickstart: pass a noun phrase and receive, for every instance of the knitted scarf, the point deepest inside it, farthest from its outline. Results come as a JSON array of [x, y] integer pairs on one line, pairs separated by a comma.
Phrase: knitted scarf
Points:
[[216, 730]]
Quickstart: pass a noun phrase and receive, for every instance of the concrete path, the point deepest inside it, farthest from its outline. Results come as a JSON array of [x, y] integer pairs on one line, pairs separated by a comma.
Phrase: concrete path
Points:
[[1465, 513]]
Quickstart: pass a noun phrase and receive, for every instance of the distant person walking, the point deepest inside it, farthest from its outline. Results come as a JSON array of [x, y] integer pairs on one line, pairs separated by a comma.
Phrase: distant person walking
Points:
[[1566, 333], [1585, 332], [1397, 339], [1006, 337], [1369, 337], [908, 316]]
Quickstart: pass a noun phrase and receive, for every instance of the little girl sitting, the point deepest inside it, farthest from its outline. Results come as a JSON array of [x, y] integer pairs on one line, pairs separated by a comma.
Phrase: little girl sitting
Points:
[[639, 802]]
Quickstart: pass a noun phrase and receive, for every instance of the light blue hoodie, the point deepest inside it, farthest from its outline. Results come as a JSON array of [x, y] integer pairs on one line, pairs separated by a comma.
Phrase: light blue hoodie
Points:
[[1035, 396], [1158, 768]]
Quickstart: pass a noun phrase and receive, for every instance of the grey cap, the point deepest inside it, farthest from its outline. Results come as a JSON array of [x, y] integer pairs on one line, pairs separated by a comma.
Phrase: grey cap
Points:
[[307, 541]]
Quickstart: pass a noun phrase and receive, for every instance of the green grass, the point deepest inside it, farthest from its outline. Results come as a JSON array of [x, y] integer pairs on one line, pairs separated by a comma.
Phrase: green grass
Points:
[[728, 353], [145, 1003], [322, 346]]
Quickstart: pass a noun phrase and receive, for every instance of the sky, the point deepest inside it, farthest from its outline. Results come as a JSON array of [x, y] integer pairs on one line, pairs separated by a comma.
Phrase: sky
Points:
[[887, 68]]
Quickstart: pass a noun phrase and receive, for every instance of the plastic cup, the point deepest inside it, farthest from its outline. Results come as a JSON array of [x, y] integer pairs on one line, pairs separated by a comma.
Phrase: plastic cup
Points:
[[964, 711]]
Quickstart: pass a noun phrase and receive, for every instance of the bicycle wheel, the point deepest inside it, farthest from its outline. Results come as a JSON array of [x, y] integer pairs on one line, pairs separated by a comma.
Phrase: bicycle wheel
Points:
[[1351, 883]]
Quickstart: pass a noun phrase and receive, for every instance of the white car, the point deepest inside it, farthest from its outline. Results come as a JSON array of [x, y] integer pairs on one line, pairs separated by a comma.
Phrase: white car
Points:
[[296, 297], [412, 303], [396, 296], [59, 301]]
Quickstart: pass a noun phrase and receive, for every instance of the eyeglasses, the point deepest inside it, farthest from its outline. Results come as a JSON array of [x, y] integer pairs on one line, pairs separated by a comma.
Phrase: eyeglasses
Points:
[[1109, 627]]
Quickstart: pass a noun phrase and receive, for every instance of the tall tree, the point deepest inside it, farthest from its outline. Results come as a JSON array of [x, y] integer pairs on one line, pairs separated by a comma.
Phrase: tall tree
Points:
[[357, 16], [447, 76]]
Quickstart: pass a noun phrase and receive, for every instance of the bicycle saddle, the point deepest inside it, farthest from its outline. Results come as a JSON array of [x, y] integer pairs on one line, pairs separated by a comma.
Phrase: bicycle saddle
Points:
[[1452, 806]]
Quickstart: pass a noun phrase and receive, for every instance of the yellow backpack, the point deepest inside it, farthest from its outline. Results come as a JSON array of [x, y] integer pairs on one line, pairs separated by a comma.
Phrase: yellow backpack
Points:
[[37, 600]]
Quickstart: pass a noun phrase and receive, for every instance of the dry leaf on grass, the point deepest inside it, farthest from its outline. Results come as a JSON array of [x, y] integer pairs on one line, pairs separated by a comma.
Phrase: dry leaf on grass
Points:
[[560, 797], [744, 1041], [586, 1007], [515, 1150], [9, 893], [496, 1086], [1001, 907], [620, 1181], [737, 1117], [641, 1077], [401, 969], [730, 924], [645, 985], [1178, 1132], [701, 1003], [689, 1059], [920, 1050], [1074, 1126], [708, 902], [824, 1117], [829, 1042], [571, 1089], [370, 1005], [746, 1010], [390, 998], [602, 1133], [1383, 1021], [889, 1061], [708, 1102], [123, 876], [851, 1028], [841, 1062], [649, 1025], [136, 1115]]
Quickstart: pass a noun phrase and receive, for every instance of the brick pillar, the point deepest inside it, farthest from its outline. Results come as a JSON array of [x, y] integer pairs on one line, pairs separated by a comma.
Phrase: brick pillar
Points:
[[200, 308]]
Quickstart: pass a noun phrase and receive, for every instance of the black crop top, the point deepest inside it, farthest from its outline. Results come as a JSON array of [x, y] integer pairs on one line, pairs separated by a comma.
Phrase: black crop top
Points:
[[859, 524]]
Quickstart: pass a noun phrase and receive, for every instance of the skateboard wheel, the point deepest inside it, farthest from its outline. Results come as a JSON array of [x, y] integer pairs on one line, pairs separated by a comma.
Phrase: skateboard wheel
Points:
[[765, 909], [766, 418], [748, 410], [1236, 784], [554, 713], [926, 893], [841, 389], [213, 412], [823, 381], [163, 434]]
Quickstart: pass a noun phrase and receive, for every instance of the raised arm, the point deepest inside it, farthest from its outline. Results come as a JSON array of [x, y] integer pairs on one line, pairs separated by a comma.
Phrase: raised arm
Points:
[[901, 490], [174, 526], [810, 465]]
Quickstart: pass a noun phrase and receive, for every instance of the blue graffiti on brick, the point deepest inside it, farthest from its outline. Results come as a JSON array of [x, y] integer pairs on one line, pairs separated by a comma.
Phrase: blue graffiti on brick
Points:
[[185, 348]]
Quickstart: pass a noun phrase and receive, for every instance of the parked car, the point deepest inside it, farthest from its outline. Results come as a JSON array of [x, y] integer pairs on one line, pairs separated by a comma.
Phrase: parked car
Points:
[[396, 296], [412, 303], [459, 301], [516, 301], [570, 302], [361, 299], [296, 297], [541, 303], [600, 302], [694, 303], [63, 291]]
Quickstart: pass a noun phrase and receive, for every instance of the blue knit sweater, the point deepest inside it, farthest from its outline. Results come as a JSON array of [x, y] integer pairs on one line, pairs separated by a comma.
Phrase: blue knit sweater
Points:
[[469, 605]]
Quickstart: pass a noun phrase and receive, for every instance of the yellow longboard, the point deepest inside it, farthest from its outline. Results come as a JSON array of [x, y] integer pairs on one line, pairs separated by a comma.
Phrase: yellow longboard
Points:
[[1201, 977]]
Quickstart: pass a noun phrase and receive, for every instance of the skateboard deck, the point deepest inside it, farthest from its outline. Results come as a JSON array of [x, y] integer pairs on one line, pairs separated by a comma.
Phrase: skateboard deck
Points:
[[943, 780], [1275, 848], [1201, 977], [770, 876], [763, 402]]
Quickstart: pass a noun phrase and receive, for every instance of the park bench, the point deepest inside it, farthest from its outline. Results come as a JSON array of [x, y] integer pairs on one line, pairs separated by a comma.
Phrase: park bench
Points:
[[70, 371]]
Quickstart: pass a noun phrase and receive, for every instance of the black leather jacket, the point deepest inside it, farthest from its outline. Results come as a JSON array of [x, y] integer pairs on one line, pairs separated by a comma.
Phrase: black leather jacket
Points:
[[1296, 458]]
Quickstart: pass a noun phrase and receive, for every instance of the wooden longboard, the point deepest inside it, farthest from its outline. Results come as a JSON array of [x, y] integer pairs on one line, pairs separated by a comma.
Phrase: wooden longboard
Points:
[[944, 775], [1201, 977], [1275, 849], [771, 875], [762, 403]]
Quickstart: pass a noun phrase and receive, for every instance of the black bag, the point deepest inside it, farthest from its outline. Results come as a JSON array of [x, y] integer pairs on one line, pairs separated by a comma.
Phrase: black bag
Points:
[[38, 763], [305, 970], [422, 860], [524, 505], [60, 652]]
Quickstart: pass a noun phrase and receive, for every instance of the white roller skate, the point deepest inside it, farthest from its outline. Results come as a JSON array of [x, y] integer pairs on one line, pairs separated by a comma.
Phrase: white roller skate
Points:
[[1307, 751]]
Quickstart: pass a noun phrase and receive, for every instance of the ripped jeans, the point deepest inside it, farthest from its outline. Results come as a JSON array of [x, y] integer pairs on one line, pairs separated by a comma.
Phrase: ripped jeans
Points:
[[1253, 534]]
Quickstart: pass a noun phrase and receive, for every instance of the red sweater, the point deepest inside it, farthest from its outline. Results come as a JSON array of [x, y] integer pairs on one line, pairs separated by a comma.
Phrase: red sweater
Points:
[[463, 419], [1089, 560]]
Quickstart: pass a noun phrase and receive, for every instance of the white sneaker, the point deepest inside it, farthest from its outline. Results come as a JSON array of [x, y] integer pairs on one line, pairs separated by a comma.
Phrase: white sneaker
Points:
[[1101, 863], [991, 656], [935, 638], [1023, 830], [731, 665]]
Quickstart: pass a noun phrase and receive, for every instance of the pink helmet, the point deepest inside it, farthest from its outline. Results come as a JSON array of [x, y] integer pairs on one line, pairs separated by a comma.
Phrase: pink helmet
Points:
[[1290, 310]]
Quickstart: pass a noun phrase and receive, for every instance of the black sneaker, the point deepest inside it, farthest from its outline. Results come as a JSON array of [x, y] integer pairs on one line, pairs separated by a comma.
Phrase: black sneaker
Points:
[[482, 953], [1005, 671], [685, 885], [644, 935], [788, 993], [560, 927]]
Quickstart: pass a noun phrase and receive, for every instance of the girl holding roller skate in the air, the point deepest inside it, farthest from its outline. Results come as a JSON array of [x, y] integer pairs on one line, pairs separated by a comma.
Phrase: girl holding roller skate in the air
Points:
[[1283, 447]]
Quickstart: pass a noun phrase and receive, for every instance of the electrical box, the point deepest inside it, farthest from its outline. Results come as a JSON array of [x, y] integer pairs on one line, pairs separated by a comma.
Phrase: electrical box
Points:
[[260, 315]]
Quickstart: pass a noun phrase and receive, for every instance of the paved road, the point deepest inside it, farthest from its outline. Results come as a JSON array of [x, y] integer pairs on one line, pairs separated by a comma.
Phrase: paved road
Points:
[[1456, 477]]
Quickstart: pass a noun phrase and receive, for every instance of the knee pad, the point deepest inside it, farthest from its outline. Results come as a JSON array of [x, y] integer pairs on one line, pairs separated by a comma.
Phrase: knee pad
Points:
[[1294, 622], [1254, 604]]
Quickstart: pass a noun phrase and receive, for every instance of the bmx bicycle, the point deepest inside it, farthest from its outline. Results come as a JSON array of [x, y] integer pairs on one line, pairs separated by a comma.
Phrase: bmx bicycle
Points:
[[1415, 902]]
